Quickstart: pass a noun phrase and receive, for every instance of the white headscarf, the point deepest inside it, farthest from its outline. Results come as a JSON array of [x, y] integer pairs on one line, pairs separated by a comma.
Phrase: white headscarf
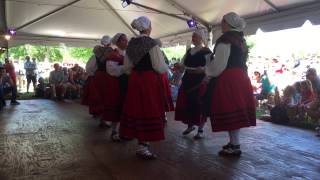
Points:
[[235, 21], [140, 24], [105, 40], [202, 33], [116, 37]]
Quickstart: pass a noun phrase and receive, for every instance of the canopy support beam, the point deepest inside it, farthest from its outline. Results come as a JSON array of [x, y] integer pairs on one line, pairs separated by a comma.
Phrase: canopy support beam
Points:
[[46, 15], [191, 14], [273, 6], [118, 16], [161, 12]]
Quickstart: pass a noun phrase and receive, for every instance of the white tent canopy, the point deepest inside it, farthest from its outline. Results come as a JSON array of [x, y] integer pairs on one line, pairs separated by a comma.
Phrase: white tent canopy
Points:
[[84, 22]]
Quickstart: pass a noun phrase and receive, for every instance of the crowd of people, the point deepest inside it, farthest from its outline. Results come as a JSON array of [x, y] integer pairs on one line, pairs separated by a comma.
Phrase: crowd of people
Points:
[[296, 102], [128, 88], [61, 83]]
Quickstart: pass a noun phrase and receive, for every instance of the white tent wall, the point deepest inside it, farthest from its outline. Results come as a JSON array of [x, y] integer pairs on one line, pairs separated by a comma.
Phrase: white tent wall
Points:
[[88, 20]]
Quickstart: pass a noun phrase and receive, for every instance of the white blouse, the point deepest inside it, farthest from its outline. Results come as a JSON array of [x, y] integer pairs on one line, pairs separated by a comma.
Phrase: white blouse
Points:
[[214, 67]]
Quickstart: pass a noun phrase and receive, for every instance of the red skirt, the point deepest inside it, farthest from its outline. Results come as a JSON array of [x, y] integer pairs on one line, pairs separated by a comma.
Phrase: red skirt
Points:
[[97, 89], [232, 103], [143, 110], [190, 112], [86, 91], [168, 105], [113, 101]]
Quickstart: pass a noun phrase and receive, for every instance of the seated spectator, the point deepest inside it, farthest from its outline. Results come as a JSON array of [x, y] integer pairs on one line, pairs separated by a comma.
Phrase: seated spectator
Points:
[[177, 74], [279, 113], [256, 82], [312, 76], [307, 94], [313, 111], [297, 96], [6, 86], [56, 83], [41, 89], [69, 83], [176, 80]]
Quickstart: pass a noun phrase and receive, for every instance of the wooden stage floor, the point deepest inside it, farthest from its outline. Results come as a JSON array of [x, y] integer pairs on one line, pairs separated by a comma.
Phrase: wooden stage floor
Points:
[[42, 139]]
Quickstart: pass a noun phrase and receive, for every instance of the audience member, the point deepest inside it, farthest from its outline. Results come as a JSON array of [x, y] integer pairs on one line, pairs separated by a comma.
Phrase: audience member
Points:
[[56, 83], [31, 75], [7, 86]]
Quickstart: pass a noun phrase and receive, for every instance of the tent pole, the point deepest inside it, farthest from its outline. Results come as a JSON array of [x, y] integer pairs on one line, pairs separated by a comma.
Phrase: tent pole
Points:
[[273, 6], [118, 15], [161, 12], [189, 13], [46, 15]]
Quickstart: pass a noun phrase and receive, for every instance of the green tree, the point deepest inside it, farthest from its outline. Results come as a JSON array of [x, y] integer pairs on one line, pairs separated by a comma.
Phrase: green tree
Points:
[[175, 52], [18, 52], [82, 54], [55, 54], [52, 53], [250, 42]]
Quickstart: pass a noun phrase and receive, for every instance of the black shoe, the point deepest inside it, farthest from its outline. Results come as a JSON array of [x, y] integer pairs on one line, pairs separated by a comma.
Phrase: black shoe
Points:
[[4, 103], [232, 151], [188, 130], [115, 137], [14, 103], [125, 138], [199, 135], [227, 146], [104, 124], [318, 131], [146, 154]]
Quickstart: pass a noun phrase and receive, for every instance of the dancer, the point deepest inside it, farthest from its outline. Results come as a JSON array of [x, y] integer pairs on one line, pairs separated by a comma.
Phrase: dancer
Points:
[[232, 101], [98, 86], [188, 108], [117, 82], [143, 111]]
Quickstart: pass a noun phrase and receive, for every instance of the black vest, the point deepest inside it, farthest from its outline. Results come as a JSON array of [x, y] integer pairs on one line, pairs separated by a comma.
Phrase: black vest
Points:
[[190, 80], [144, 64], [238, 52], [101, 64]]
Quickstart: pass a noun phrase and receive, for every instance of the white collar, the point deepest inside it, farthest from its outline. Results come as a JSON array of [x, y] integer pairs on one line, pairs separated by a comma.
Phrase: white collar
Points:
[[122, 52]]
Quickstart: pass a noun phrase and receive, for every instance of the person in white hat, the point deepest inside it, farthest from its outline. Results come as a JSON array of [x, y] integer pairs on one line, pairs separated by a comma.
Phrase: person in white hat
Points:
[[143, 110], [231, 102], [106, 41], [117, 83], [96, 82], [188, 107]]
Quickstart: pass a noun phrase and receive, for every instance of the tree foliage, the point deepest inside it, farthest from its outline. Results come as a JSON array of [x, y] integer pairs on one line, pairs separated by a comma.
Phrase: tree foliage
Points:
[[174, 52], [82, 54], [18, 52]]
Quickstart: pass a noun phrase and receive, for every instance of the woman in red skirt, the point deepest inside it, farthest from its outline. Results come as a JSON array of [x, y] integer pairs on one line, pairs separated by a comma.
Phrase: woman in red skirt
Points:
[[232, 103], [91, 68], [188, 107], [98, 86], [117, 82], [143, 111]]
